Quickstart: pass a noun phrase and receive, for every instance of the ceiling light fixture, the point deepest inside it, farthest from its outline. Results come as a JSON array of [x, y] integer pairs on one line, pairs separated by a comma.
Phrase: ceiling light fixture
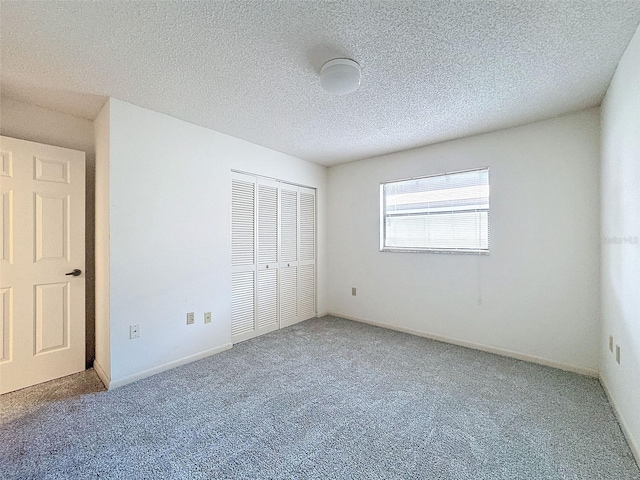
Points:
[[340, 76]]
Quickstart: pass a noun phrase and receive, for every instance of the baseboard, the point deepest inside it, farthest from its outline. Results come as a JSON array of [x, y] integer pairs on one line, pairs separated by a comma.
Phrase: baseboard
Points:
[[633, 445], [103, 376], [477, 346], [119, 382]]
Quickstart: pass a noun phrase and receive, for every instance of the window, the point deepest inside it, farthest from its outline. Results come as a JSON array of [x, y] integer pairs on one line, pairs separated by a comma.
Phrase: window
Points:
[[438, 213]]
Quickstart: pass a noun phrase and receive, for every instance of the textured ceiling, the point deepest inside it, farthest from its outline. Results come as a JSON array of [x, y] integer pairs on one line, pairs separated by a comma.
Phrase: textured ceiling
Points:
[[431, 70]]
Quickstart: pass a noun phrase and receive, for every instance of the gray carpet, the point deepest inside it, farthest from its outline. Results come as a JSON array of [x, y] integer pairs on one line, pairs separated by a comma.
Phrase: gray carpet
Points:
[[324, 399]]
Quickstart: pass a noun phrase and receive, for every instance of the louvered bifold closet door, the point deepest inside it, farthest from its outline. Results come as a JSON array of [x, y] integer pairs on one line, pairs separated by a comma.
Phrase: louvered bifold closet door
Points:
[[267, 243], [288, 255], [307, 254], [243, 261]]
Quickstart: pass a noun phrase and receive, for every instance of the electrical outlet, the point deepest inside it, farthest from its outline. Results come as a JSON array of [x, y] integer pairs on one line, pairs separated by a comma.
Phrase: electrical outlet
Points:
[[207, 317], [618, 354], [353, 291], [191, 318], [134, 331], [611, 343]]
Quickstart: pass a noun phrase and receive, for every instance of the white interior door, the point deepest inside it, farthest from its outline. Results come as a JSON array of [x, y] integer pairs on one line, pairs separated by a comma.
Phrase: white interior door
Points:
[[42, 334], [243, 257], [307, 254], [288, 255], [268, 253]]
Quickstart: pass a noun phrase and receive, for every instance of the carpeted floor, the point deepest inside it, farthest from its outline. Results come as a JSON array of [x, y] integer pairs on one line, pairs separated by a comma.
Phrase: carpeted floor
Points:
[[324, 399]]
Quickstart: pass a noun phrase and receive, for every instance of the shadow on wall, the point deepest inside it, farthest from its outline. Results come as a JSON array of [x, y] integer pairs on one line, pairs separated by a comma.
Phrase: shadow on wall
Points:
[[83, 105]]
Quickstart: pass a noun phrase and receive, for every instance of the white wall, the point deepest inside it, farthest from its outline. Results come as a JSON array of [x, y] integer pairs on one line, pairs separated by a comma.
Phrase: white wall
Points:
[[621, 244], [102, 361], [36, 124], [170, 242], [536, 294]]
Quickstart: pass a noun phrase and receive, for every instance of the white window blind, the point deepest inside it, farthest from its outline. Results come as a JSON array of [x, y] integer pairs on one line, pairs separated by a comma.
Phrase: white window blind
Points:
[[439, 213]]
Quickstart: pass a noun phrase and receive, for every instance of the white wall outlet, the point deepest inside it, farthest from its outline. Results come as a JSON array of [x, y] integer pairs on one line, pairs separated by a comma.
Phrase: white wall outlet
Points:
[[611, 343], [618, 353], [134, 331], [191, 318], [207, 317], [353, 291]]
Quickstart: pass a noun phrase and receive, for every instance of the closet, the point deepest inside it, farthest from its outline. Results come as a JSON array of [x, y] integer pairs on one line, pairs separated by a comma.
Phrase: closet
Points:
[[273, 255]]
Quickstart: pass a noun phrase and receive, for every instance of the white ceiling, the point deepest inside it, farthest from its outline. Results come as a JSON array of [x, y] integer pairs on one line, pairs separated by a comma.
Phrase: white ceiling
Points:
[[431, 70]]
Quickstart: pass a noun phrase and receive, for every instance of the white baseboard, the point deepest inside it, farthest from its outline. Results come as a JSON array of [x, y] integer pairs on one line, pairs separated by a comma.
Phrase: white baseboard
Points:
[[103, 376], [633, 445], [477, 346], [119, 382]]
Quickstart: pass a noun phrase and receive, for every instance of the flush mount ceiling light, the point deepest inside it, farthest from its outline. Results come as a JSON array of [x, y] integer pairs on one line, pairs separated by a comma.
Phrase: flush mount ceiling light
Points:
[[340, 76]]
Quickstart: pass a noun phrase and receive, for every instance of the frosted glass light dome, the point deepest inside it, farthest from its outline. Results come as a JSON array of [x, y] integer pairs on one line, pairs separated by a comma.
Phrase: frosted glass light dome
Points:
[[340, 76]]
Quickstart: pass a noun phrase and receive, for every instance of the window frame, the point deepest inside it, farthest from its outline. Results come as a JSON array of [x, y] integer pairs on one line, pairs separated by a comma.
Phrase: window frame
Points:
[[450, 251]]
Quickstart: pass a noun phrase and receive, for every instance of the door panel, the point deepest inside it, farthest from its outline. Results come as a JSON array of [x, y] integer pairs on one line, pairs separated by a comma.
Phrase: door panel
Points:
[[307, 226], [267, 299], [268, 251], [307, 289], [52, 170], [242, 303], [288, 295], [6, 228], [289, 224], [52, 227], [43, 314], [6, 312], [52, 317], [6, 164], [242, 222], [267, 224], [243, 257], [289, 259], [307, 262]]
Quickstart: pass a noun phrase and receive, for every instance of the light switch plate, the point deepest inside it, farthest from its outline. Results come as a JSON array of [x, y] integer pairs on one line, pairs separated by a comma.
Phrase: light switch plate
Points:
[[207, 317]]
